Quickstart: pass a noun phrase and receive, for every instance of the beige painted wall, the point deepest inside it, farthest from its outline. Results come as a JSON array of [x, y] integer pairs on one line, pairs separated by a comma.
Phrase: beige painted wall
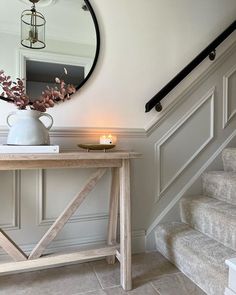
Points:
[[175, 153], [125, 77], [143, 44]]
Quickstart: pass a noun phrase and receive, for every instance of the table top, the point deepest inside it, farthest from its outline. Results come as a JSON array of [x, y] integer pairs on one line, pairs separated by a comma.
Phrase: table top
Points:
[[72, 155], [66, 159]]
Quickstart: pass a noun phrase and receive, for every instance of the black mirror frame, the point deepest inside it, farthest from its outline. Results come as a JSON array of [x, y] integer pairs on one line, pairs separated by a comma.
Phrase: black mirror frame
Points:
[[90, 9]]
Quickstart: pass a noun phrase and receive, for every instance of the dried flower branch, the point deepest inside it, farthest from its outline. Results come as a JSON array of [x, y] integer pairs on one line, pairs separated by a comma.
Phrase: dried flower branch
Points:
[[14, 92]]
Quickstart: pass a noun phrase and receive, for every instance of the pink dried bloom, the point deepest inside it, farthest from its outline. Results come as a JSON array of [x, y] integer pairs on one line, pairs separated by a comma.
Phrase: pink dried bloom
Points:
[[14, 92], [71, 88], [39, 106]]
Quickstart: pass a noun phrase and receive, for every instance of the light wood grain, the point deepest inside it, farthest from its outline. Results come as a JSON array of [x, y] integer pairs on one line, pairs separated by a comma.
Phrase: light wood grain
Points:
[[11, 248], [119, 161], [125, 227], [66, 214], [56, 260], [56, 164], [64, 160], [72, 156], [118, 256], [113, 212]]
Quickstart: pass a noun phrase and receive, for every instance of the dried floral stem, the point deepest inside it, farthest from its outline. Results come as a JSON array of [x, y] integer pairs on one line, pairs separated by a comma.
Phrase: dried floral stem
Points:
[[14, 92]]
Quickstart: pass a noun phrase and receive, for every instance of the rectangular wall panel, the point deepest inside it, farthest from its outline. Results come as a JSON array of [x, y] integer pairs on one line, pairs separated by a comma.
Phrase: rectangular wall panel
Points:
[[182, 144], [9, 199], [57, 187], [229, 96]]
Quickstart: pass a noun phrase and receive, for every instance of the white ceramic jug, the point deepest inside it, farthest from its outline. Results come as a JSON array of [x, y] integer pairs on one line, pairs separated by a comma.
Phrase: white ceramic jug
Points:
[[27, 129]]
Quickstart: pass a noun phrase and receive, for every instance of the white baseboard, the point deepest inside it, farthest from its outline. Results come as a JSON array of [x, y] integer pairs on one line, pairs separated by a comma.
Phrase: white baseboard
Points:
[[138, 241]]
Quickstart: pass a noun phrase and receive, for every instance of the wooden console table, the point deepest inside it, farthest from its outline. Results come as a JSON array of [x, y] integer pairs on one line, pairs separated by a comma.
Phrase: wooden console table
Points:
[[119, 162]]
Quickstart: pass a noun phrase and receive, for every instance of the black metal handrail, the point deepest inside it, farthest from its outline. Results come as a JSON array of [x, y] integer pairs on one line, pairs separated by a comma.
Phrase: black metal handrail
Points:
[[208, 51]]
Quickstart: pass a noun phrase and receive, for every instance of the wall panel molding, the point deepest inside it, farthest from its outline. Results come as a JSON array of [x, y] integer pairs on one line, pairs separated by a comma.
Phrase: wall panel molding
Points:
[[15, 224], [138, 243], [83, 132], [180, 194], [42, 220], [185, 91], [227, 113], [161, 188], [92, 132]]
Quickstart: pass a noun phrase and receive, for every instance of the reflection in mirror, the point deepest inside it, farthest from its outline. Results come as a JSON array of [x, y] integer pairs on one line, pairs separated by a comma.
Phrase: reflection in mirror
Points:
[[33, 28], [42, 74], [72, 42]]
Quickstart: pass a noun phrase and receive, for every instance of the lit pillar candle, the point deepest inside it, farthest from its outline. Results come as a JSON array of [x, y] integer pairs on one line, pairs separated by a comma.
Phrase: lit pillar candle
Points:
[[106, 139]]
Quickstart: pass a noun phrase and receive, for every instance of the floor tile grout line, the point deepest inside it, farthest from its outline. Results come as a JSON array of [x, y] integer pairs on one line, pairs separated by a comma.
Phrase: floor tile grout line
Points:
[[157, 277], [111, 287], [90, 264], [151, 283], [167, 274], [180, 279], [88, 293], [103, 288], [101, 284], [99, 281]]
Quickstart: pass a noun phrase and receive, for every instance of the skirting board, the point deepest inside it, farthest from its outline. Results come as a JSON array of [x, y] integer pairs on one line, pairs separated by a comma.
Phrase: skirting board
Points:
[[138, 244]]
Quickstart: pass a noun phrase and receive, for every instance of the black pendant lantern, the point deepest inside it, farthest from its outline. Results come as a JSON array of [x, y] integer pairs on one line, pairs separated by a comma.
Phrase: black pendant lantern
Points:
[[33, 28]]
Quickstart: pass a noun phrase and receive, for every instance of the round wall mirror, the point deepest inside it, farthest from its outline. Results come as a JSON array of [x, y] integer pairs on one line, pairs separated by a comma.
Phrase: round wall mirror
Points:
[[71, 37]]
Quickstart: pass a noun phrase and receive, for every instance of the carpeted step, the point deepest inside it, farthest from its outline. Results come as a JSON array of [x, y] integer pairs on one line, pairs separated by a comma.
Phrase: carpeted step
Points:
[[198, 256], [229, 159], [220, 185], [212, 217]]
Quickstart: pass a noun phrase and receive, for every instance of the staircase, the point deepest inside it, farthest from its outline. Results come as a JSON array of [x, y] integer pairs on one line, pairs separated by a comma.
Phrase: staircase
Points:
[[206, 235]]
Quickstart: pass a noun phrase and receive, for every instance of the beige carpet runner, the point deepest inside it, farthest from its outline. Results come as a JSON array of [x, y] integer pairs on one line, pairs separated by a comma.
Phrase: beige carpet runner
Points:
[[206, 235]]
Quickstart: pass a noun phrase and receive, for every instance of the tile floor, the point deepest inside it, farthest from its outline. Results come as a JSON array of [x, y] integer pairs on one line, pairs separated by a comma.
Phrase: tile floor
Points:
[[152, 275]]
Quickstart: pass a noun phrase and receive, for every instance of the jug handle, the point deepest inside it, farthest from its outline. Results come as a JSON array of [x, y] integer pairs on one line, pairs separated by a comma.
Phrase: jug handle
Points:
[[8, 117], [51, 119]]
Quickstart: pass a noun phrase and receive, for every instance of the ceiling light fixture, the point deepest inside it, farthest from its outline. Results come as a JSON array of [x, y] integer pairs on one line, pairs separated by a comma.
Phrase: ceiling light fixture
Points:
[[33, 28]]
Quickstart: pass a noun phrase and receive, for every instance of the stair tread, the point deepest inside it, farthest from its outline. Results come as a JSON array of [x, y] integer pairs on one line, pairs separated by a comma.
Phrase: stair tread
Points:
[[200, 257], [212, 217], [222, 173], [201, 244], [220, 185], [229, 210]]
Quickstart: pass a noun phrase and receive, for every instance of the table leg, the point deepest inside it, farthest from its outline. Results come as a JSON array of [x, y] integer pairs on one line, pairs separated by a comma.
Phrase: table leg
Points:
[[125, 226], [113, 212], [11, 248]]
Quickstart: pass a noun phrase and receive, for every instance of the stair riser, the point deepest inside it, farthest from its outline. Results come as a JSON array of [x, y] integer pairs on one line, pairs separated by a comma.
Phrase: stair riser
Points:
[[208, 277], [220, 186], [213, 223], [206, 238], [229, 159]]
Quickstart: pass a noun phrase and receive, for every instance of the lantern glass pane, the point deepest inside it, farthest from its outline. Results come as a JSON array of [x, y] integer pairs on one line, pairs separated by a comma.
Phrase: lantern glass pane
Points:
[[32, 30]]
